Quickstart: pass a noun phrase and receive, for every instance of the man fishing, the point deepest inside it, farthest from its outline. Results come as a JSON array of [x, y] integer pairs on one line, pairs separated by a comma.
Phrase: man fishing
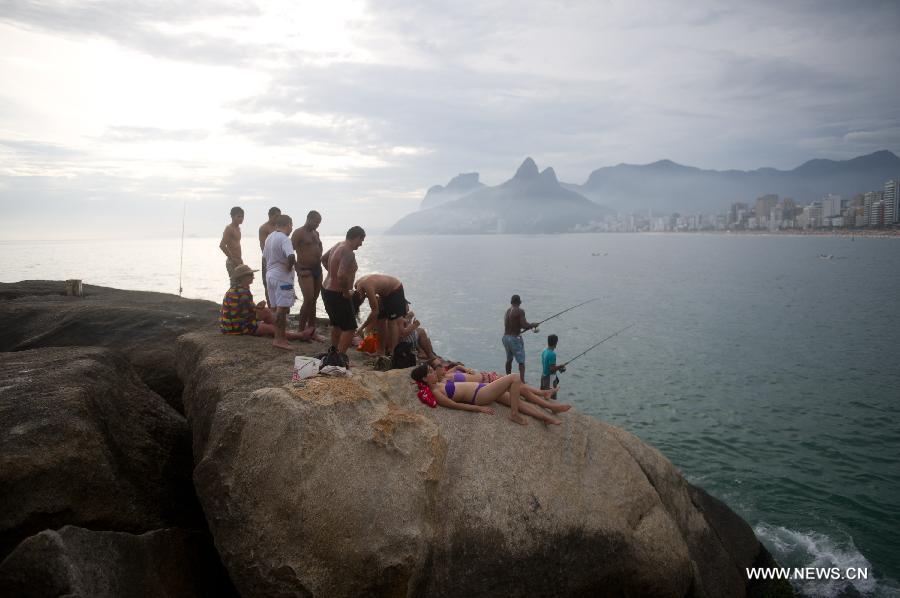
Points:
[[514, 324]]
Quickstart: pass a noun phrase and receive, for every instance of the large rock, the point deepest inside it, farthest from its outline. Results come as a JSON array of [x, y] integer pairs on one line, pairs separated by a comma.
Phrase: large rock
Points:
[[83, 441], [352, 487], [79, 562], [142, 325]]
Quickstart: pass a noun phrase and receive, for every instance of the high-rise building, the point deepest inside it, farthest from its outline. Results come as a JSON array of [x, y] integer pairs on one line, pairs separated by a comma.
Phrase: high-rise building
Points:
[[831, 205], [764, 207], [892, 201], [870, 215]]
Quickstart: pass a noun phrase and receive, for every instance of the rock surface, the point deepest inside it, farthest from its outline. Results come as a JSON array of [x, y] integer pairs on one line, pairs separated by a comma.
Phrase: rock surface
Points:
[[83, 441], [79, 562], [346, 487], [142, 325]]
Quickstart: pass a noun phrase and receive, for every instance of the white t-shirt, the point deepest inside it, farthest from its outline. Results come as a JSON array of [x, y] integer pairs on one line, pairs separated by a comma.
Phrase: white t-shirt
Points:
[[277, 250]]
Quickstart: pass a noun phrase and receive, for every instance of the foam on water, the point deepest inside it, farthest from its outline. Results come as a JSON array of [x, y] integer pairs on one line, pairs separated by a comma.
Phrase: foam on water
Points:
[[798, 549]]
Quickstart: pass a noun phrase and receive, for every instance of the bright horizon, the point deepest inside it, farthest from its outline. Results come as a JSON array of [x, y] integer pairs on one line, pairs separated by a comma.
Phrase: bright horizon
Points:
[[121, 111]]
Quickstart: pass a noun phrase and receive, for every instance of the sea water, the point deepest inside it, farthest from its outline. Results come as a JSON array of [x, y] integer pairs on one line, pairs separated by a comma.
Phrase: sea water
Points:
[[767, 368]]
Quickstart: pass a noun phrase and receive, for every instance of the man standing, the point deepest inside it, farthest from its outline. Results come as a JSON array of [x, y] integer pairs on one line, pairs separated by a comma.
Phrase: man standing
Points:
[[514, 324], [279, 255], [308, 246], [231, 241], [267, 228], [549, 369], [388, 304], [337, 290]]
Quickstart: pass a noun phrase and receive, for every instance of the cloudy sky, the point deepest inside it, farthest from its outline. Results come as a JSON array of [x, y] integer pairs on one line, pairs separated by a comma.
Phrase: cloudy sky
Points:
[[114, 113]]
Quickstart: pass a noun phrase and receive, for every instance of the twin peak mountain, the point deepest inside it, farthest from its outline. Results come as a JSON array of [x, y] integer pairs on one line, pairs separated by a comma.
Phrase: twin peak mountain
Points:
[[532, 201]]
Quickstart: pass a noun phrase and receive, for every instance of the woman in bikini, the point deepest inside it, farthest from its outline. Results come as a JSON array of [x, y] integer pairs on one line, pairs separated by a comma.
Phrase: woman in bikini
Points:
[[475, 396], [458, 373]]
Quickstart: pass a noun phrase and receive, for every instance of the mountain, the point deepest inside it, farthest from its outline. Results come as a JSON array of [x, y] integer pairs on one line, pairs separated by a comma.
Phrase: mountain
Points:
[[667, 187], [456, 188], [532, 201]]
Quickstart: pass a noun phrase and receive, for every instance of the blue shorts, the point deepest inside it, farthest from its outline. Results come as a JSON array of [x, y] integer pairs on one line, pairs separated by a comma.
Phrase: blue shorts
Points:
[[515, 347]]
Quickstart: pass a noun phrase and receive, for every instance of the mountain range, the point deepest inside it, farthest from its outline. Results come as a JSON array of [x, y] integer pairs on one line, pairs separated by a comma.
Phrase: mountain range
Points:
[[667, 187], [536, 202], [532, 201]]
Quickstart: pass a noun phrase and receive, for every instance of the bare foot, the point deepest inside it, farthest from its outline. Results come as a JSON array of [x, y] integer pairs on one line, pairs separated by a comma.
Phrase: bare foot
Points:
[[317, 338], [549, 393], [283, 345], [518, 419], [558, 407], [553, 421]]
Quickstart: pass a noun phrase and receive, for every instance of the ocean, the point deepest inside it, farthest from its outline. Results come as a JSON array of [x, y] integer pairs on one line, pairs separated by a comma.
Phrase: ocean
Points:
[[767, 368]]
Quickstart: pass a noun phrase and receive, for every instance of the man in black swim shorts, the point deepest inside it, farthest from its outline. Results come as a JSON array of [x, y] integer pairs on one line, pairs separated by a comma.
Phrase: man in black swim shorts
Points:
[[340, 263]]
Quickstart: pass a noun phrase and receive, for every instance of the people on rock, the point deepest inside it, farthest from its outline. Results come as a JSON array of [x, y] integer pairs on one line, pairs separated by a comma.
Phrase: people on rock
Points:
[[240, 315], [231, 241], [549, 369], [337, 289], [412, 332], [279, 254], [514, 323], [308, 246], [387, 303], [475, 396], [531, 394], [265, 229]]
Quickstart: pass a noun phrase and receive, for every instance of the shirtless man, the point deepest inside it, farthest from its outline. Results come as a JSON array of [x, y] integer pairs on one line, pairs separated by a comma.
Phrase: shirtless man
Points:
[[514, 323], [308, 246], [337, 290], [279, 254], [388, 305], [231, 241], [266, 229]]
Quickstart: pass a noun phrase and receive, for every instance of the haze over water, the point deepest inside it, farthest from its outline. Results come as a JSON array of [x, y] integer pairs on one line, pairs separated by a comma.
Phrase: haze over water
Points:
[[770, 376]]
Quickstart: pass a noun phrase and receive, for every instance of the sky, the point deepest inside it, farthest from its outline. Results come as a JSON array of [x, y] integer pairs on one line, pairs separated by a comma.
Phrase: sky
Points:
[[119, 116]]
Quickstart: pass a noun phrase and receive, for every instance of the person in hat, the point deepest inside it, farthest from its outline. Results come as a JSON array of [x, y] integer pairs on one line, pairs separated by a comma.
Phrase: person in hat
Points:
[[514, 324], [240, 315]]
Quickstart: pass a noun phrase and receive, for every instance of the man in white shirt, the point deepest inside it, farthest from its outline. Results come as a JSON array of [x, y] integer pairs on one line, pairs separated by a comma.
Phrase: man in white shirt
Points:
[[278, 253]]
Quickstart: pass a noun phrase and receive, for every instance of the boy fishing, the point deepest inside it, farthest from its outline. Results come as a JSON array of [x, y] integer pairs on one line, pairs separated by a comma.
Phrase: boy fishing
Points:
[[550, 369]]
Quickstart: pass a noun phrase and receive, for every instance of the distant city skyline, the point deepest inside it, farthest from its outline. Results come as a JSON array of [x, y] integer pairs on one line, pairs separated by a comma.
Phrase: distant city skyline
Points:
[[121, 111]]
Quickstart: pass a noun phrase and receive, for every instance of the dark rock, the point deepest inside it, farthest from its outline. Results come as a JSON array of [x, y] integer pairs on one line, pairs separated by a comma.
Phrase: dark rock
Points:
[[347, 487], [83, 441], [142, 325], [79, 562]]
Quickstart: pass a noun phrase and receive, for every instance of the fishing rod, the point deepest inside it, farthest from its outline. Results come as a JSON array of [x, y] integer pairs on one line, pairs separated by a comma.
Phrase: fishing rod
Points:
[[597, 345], [535, 328]]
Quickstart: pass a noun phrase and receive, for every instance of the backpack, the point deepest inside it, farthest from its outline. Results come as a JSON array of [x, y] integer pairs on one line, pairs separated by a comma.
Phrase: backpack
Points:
[[404, 355], [334, 358]]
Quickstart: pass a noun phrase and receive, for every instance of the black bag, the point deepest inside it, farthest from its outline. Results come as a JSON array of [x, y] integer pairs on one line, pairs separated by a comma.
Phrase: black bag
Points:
[[334, 358], [404, 355]]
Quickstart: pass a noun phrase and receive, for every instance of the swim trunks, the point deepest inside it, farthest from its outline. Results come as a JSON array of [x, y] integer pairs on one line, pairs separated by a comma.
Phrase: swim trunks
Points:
[[393, 306], [515, 347], [339, 309], [230, 265], [316, 271]]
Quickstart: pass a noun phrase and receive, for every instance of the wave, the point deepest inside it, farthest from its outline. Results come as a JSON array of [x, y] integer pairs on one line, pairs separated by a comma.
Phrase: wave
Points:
[[812, 549]]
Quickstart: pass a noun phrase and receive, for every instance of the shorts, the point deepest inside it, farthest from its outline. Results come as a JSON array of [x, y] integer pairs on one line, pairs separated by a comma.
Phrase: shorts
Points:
[[515, 347], [393, 306], [316, 271], [230, 265], [339, 310], [281, 291], [548, 382]]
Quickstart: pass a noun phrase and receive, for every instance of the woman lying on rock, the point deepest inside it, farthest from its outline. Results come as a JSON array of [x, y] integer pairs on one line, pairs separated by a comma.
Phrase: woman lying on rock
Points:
[[457, 373], [241, 316], [475, 396]]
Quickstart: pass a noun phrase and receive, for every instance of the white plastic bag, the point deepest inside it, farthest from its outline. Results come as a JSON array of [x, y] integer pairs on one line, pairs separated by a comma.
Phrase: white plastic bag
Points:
[[305, 367]]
